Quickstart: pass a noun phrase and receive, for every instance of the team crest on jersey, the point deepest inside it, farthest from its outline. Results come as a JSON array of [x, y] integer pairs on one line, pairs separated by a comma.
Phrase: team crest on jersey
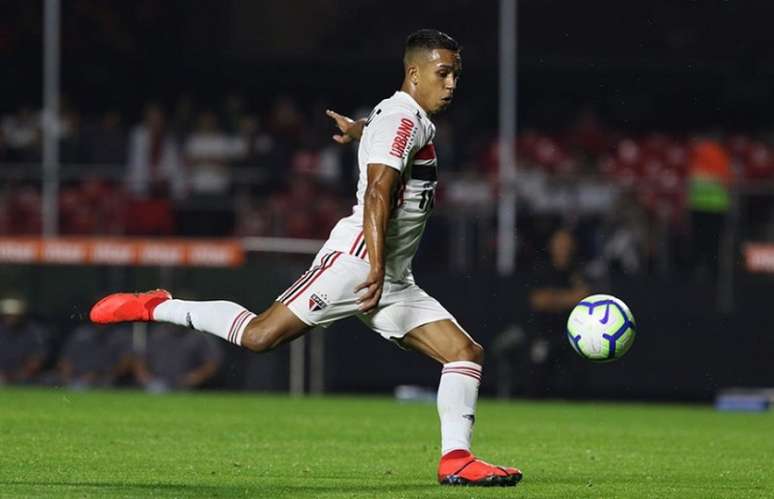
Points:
[[317, 302]]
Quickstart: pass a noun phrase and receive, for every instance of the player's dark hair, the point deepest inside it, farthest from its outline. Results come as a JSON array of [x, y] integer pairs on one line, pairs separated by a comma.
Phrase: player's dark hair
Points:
[[429, 39]]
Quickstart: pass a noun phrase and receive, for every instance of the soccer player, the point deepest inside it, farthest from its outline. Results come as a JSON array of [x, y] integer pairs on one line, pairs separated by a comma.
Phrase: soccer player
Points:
[[364, 269]]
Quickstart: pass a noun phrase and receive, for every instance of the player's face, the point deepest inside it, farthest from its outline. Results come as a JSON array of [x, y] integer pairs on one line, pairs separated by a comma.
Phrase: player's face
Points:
[[437, 77]]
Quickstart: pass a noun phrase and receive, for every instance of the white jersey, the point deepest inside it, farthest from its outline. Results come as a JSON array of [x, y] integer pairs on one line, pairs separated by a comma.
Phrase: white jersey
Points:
[[398, 134]]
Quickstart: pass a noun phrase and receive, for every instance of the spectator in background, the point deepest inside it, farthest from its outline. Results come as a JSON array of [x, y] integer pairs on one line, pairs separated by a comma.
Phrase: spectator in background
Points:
[[619, 239], [3, 146], [22, 135], [72, 149], [92, 206], [107, 141], [560, 285], [285, 124], [23, 344], [254, 156], [209, 209], [286, 121], [21, 212], [233, 111], [291, 213], [208, 153], [708, 201], [95, 358], [175, 359], [182, 117], [154, 161]]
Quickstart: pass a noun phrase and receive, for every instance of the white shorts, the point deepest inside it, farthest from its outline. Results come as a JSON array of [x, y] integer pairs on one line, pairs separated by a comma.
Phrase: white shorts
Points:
[[325, 294]]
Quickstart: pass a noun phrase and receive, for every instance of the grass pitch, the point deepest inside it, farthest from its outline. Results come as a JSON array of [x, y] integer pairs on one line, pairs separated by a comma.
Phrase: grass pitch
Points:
[[126, 444]]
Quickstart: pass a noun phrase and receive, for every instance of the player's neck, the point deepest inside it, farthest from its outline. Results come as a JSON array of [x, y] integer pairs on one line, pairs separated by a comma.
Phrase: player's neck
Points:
[[410, 90]]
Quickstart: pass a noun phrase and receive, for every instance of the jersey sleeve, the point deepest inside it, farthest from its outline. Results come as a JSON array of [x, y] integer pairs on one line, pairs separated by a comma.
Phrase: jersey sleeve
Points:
[[393, 139]]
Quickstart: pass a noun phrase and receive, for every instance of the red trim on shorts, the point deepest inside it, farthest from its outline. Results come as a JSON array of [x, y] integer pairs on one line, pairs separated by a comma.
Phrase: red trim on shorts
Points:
[[321, 272], [305, 277], [361, 249], [354, 245], [296, 283]]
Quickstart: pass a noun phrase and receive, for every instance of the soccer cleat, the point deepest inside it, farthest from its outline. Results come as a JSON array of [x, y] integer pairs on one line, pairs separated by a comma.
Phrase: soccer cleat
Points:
[[460, 467], [128, 307]]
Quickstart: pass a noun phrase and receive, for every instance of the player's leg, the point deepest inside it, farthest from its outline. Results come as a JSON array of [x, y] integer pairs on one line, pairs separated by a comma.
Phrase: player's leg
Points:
[[228, 320], [269, 329], [461, 358], [446, 342], [274, 327], [322, 295]]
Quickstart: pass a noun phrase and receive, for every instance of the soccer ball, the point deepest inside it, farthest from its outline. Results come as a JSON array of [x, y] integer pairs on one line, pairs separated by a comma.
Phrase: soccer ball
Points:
[[601, 328]]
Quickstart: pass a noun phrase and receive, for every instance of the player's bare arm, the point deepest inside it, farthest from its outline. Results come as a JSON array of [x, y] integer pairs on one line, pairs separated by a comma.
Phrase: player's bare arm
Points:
[[381, 184], [350, 129]]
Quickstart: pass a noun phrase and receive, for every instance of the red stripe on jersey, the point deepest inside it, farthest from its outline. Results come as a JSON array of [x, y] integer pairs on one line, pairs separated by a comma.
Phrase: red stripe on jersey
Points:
[[427, 152], [322, 271]]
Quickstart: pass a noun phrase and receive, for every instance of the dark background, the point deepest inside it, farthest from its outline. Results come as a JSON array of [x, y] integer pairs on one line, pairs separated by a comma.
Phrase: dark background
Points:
[[643, 65], [678, 68]]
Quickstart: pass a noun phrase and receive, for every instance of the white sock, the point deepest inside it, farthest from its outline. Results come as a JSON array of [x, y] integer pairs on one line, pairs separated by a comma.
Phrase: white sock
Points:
[[457, 395], [221, 318]]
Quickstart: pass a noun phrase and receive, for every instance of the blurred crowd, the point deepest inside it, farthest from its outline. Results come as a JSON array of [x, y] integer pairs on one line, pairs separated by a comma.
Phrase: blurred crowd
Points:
[[193, 172], [166, 358], [634, 201]]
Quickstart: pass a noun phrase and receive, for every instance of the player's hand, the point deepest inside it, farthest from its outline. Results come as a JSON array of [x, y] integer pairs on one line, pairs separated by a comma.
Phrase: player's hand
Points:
[[373, 291], [350, 129]]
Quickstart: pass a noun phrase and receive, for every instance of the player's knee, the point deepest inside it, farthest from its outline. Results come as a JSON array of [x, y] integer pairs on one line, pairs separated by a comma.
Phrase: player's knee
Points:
[[260, 336], [472, 352]]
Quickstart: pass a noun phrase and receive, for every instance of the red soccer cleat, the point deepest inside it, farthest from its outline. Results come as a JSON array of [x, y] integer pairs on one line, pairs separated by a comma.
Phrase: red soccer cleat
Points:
[[460, 467], [128, 307]]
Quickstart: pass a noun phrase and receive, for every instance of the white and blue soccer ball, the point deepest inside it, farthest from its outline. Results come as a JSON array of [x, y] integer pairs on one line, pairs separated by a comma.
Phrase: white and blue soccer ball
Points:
[[601, 328]]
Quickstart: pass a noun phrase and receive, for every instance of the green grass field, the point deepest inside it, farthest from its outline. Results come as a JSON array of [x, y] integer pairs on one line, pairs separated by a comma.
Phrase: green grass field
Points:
[[126, 444]]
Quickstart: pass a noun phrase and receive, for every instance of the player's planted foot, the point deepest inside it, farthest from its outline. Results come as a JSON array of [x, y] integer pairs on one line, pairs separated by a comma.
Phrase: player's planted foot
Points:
[[128, 307], [460, 467]]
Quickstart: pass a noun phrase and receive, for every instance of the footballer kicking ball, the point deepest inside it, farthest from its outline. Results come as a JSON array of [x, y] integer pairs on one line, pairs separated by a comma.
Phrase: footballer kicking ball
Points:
[[601, 328]]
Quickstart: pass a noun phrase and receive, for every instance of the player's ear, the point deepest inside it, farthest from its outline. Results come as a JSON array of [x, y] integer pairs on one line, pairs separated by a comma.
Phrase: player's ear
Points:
[[412, 71]]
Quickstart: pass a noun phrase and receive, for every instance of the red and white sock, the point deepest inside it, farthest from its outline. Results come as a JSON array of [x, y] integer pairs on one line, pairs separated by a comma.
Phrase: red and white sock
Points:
[[457, 395], [221, 318]]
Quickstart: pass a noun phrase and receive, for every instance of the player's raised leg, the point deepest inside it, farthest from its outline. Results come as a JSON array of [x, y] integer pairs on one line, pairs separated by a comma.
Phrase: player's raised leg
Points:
[[461, 357], [228, 320]]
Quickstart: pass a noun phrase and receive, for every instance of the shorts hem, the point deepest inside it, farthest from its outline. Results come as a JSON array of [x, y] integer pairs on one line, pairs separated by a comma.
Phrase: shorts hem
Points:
[[298, 315], [419, 323]]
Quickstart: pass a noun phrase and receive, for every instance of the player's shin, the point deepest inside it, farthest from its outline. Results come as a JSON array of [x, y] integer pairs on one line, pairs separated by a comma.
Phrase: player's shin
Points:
[[221, 318], [457, 395]]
